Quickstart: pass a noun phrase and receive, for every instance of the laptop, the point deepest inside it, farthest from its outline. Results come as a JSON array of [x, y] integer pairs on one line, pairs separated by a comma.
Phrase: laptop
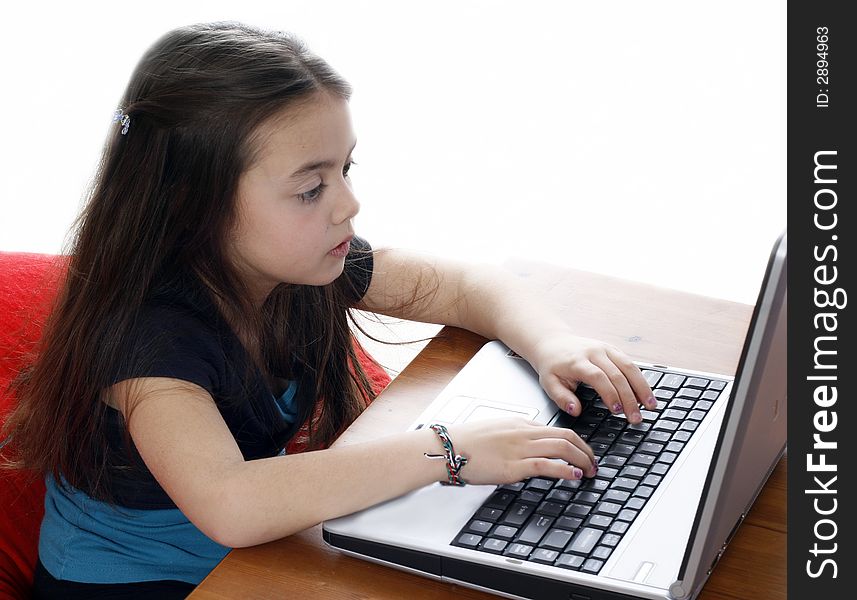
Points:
[[669, 494]]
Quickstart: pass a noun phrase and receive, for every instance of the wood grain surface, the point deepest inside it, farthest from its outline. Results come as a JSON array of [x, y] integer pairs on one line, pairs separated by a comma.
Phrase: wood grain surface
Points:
[[650, 324]]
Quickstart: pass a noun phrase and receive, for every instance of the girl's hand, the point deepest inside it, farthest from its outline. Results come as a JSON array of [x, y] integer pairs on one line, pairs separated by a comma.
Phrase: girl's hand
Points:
[[565, 361], [512, 449]]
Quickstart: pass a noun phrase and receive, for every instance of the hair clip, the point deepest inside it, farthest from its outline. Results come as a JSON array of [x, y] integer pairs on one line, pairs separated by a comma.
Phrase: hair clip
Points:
[[122, 119]]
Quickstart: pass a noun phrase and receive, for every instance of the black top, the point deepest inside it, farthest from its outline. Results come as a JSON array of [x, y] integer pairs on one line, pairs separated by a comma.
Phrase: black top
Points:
[[185, 337]]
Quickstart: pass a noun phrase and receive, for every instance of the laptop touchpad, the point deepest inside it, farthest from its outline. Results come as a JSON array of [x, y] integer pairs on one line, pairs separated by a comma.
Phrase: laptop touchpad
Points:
[[477, 412]]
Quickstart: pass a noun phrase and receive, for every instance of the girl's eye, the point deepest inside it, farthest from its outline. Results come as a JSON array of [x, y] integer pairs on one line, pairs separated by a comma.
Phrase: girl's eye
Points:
[[313, 194], [347, 168]]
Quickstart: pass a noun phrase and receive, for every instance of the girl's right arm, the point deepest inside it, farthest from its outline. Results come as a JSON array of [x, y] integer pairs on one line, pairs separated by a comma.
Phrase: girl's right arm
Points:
[[187, 446]]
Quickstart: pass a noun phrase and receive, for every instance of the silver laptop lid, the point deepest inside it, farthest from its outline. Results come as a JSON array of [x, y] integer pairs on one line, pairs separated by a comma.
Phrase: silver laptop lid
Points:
[[753, 435]]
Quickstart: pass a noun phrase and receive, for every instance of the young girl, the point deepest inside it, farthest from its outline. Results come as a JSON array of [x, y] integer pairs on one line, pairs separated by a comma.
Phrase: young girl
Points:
[[203, 322]]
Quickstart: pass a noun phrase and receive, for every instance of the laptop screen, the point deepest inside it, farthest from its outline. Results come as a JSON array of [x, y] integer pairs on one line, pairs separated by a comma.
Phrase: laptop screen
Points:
[[753, 436]]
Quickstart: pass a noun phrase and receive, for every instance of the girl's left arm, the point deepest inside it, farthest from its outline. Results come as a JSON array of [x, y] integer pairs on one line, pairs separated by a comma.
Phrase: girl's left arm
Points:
[[495, 304]]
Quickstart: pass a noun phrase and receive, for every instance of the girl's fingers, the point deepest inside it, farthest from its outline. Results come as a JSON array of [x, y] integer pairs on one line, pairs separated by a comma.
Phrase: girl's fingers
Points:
[[561, 395], [635, 378], [567, 451], [546, 467], [627, 400]]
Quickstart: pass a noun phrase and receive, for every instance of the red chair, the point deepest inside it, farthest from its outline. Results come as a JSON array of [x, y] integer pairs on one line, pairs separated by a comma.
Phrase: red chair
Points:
[[28, 284]]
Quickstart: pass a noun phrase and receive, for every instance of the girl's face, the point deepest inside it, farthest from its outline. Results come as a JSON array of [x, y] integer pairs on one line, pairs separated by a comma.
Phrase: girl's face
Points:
[[295, 204]]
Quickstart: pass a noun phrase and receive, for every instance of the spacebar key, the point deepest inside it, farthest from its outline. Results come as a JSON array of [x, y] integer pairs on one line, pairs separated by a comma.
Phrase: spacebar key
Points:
[[584, 540]]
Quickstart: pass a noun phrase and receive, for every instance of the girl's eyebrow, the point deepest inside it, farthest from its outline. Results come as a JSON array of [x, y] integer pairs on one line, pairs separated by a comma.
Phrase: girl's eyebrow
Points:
[[318, 165]]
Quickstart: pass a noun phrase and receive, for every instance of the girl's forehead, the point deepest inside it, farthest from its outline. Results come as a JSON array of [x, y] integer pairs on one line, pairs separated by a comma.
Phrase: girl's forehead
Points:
[[318, 128]]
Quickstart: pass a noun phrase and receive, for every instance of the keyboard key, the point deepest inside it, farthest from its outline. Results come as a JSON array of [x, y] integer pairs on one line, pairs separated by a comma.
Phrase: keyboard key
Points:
[[627, 515], [489, 514], [689, 425], [672, 381], [518, 550], [666, 425], [615, 496], [577, 510], [634, 504], [650, 447], [662, 394], [540, 484], [681, 436], [652, 377], [635, 471], [518, 514], [652, 480], [624, 483], [644, 491], [702, 404], [642, 426], [569, 561], [667, 457], [569, 523], [593, 565], [610, 539], [544, 555], [568, 484], [631, 437], [478, 526], [606, 472], [648, 415], [613, 461], [513, 487], [596, 485], [619, 527], [710, 395], [682, 403], [551, 509], [494, 545], [697, 382], [614, 423], [599, 448], [500, 499], [603, 437], [717, 385], [659, 469], [601, 521], [534, 530], [658, 436], [531, 496], [504, 531], [557, 539], [604, 508], [587, 497], [586, 393], [641, 459], [584, 540], [675, 414], [675, 446], [623, 449], [558, 495], [468, 540], [689, 393], [696, 415], [602, 552]]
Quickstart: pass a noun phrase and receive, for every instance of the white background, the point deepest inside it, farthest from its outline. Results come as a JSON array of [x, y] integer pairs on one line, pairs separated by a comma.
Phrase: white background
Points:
[[645, 140]]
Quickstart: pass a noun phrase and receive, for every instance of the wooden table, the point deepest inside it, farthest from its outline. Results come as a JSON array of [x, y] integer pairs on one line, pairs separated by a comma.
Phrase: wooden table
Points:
[[650, 324]]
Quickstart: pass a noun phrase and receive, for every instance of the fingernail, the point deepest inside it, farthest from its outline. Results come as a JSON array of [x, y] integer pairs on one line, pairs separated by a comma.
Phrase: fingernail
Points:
[[636, 418], [617, 407], [569, 408], [578, 474], [652, 403]]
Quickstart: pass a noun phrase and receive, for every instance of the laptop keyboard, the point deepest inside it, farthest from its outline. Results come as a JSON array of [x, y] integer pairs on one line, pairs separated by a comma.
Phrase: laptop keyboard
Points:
[[576, 524]]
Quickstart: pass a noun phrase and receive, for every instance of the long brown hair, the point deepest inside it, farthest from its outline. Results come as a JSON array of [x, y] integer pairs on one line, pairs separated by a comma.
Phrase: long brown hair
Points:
[[164, 198]]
